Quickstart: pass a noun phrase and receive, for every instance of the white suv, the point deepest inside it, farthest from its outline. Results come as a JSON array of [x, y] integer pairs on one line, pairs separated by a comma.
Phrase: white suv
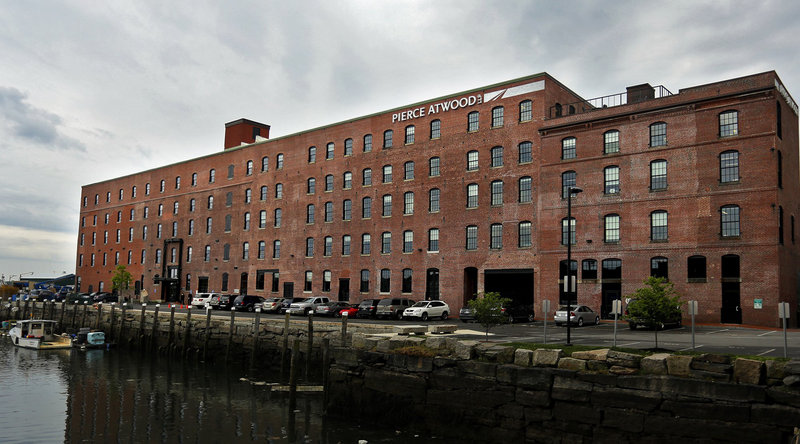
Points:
[[201, 299]]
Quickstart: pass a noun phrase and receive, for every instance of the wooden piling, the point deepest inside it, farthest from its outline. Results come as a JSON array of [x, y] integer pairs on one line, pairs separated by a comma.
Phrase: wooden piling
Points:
[[208, 333], [256, 333], [285, 346], [74, 314], [141, 326], [309, 345], [122, 322], [85, 310], [187, 330], [326, 364], [230, 335], [154, 332], [344, 330], [171, 334], [111, 334], [63, 310], [99, 315]]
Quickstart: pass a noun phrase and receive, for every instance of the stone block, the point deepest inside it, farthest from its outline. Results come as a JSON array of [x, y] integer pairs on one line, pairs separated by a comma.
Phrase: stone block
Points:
[[572, 390], [436, 342], [507, 374], [442, 329], [643, 400], [775, 369], [534, 378], [533, 398], [523, 357], [580, 413], [713, 358], [623, 419], [483, 369], [748, 371], [592, 355], [622, 371], [572, 364], [345, 357], [409, 329], [792, 381], [479, 397], [394, 383], [713, 367], [679, 365], [419, 364], [623, 359], [464, 349], [597, 366], [718, 411], [711, 375], [655, 364], [546, 357], [784, 395], [792, 367], [497, 353], [775, 414]]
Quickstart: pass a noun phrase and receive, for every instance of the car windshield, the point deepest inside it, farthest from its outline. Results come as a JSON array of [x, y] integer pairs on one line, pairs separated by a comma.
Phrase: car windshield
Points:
[[298, 300], [367, 303], [385, 302], [421, 304]]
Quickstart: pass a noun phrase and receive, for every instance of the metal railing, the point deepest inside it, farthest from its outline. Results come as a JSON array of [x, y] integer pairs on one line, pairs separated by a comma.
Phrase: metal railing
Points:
[[589, 105]]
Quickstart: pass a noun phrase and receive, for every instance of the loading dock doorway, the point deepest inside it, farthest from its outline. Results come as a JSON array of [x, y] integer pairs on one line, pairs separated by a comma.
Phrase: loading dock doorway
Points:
[[514, 284]]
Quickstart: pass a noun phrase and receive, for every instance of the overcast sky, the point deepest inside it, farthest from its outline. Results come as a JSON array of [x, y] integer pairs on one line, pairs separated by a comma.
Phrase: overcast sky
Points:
[[95, 90]]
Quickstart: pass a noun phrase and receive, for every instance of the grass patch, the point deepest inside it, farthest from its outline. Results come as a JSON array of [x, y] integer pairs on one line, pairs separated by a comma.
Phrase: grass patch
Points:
[[568, 350], [416, 350]]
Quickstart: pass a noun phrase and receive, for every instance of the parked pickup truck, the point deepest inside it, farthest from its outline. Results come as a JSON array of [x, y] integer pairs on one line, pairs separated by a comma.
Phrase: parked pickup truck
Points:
[[307, 305]]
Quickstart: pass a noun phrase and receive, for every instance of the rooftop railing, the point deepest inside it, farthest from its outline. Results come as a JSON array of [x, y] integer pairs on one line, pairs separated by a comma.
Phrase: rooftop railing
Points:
[[589, 105]]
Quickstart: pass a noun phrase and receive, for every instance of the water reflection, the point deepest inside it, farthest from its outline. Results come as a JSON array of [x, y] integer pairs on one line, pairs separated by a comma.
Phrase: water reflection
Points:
[[126, 396]]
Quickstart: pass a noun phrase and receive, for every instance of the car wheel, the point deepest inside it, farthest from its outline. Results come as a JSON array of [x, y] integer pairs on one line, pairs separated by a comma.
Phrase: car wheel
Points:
[[597, 320], [444, 316], [424, 316], [305, 312], [631, 325], [580, 322], [530, 317], [251, 309], [399, 316]]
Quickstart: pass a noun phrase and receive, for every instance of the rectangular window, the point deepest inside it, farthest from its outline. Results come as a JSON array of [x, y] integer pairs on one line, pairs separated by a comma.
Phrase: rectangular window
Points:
[[387, 205], [472, 237], [525, 111], [408, 171], [368, 143], [385, 280], [366, 208], [408, 241], [409, 135], [329, 151], [308, 281], [496, 238], [472, 121], [433, 200], [472, 195], [658, 134], [433, 240], [387, 139], [497, 192], [729, 167], [525, 152], [364, 286], [568, 150], [729, 124], [658, 226], [611, 228], [497, 156], [524, 235], [611, 142], [366, 244], [387, 174], [436, 129], [433, 167], [472, 161], [366, 177], [348, 147], [568, 231], [611, 177], [408, 203], [729, 220], [497, 117], [658, 175], [525, 194], [386, 243]]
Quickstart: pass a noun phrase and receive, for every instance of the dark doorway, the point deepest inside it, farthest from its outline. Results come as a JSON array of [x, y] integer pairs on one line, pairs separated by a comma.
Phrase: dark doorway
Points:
[[470, 283], [172, 290], [344, 290], [243, 284], [731, 311], [432, 284], [288, 290], [516, 285], [612, 285]]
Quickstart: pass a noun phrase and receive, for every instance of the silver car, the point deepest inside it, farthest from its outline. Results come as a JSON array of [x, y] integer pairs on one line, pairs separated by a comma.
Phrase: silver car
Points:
[[579, 315]]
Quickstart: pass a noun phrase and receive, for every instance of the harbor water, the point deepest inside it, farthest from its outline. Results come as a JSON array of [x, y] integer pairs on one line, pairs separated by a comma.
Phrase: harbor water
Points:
[[127, 396]]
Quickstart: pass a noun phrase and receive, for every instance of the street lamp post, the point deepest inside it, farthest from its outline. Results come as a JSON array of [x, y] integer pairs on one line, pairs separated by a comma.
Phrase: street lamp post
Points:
[[570, 283]]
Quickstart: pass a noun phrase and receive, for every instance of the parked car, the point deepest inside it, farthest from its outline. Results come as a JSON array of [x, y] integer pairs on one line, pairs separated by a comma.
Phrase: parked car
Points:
[[32, 296], [351, 311], [307, 305], [246, 302], [515, 312], [367, 308], [427, 309], [287, 302], [392, 307], [578, 315], [676, 320], [201, 299], [46, 295], [221, 301], [332, 308], [271, 305], [104, 297]]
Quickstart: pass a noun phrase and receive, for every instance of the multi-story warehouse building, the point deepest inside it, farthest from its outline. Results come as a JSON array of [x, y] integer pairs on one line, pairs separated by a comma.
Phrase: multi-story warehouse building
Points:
[[467, 193]]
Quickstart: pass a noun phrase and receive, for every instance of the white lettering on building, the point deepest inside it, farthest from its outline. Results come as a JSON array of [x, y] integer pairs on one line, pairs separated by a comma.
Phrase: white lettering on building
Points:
[[447, 105]]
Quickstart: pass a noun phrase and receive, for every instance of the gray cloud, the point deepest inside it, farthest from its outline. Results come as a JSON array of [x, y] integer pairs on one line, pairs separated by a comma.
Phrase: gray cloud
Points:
[[32, 124]]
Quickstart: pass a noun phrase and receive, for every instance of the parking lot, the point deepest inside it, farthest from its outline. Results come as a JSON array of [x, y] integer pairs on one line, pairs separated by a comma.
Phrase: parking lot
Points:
[[730, 339]]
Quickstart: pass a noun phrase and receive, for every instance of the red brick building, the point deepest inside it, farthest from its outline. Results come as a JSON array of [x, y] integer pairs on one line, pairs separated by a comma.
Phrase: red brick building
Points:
[[466, 193]]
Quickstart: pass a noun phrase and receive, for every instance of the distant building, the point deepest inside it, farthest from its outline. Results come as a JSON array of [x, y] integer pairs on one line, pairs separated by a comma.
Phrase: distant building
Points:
[[465, 194]]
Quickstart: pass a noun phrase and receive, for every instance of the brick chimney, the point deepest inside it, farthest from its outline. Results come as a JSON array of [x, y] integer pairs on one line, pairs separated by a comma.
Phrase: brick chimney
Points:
[[640, 93], [244, 131]]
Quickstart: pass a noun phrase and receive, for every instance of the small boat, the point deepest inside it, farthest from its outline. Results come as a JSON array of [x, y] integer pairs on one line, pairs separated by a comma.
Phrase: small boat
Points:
[[38, 334], [86, 338]]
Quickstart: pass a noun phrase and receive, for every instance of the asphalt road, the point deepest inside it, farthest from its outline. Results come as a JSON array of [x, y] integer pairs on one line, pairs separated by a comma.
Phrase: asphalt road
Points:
[[707, 338]]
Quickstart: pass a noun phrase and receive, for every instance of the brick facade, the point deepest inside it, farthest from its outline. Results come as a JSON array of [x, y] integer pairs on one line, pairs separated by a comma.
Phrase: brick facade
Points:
[[692, 199]]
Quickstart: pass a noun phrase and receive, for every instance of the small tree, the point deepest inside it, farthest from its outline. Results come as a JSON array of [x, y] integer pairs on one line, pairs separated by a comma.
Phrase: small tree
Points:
[[654, 304], [121, 280], [488, 310]]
